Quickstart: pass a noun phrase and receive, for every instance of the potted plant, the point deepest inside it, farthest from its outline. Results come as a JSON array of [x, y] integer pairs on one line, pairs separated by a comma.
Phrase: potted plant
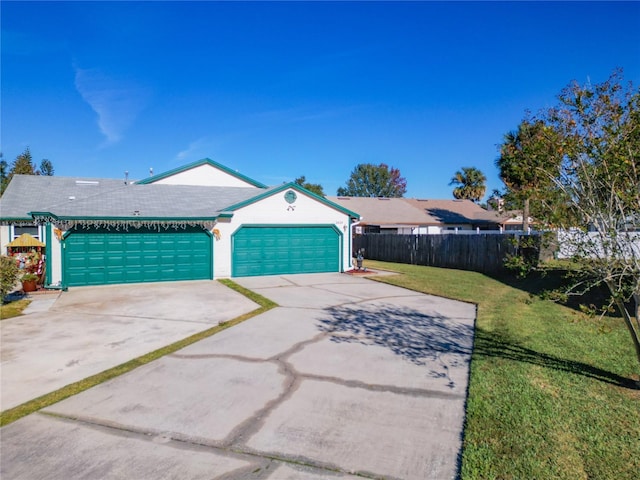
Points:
[[29, 282]]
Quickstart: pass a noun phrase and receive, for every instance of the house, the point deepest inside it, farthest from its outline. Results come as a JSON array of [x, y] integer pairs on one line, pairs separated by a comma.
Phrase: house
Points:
[[199, 221], [418, 216], [512, 220]]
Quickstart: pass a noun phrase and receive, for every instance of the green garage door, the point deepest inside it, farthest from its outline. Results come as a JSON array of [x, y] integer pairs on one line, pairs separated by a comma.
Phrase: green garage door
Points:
[[279, 250], [99, 257]]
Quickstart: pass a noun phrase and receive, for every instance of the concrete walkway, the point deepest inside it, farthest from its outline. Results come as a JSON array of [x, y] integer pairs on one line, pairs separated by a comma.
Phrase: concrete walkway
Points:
[[347, 376]]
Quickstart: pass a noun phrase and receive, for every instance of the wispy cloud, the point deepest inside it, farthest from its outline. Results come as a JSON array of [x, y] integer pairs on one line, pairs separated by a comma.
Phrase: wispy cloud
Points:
[[194, 148], [116, 102]]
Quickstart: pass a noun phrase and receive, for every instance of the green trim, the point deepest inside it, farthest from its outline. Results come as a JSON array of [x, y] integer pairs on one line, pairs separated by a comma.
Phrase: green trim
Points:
[[293, 186], [198, 163], [350, 245], [63, 260], [48, 250]]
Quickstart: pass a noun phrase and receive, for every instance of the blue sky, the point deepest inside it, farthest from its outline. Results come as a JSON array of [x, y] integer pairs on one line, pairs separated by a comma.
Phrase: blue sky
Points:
[[278, 90]]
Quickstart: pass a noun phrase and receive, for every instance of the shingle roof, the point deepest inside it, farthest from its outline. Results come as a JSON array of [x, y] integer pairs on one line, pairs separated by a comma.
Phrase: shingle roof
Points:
[[75, 199], [27, 193], [158, 201], [416, 212], [92, 197], [454, 211], [378, 211]]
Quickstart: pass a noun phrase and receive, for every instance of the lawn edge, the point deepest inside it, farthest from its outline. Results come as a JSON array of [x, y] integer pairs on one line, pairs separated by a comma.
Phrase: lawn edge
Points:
[[382, 280]]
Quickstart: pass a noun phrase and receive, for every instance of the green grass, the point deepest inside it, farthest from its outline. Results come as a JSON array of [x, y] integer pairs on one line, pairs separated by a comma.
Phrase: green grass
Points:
[[13, 309], [31, 406], [553, 393]]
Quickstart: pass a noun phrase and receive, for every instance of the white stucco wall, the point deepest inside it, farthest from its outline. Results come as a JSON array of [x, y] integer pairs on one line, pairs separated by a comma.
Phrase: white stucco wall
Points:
[[204, 175], [5, 238], [276, 211], [54, 260]]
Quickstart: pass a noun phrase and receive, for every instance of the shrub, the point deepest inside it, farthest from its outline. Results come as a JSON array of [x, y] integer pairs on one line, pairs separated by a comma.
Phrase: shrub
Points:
[[8, 275]]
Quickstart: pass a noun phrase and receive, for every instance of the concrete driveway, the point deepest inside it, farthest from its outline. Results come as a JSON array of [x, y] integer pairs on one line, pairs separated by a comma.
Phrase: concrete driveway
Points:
[[66, 337], [346, 377]]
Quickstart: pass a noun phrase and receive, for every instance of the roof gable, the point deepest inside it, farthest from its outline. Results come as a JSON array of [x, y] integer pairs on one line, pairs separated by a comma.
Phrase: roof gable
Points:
[[203, 172], [292, 186]]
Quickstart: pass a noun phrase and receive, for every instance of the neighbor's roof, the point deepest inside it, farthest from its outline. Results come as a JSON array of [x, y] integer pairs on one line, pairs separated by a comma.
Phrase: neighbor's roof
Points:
[[382, 211], [454, 211], [410, 211]]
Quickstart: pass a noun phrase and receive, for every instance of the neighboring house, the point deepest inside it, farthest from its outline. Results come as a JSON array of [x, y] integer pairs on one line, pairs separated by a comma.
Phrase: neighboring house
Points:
[[512, 220], [418, 216], [200, 221]]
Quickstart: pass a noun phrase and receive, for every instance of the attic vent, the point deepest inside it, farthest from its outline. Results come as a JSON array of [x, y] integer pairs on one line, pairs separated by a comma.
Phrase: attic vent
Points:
[[383, 198], [344, 198], [71, 197], [423, 199], [87, 182]]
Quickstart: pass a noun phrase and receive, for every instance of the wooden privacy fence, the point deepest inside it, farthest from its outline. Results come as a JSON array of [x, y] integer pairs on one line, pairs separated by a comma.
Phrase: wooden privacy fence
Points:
[[483, 253]]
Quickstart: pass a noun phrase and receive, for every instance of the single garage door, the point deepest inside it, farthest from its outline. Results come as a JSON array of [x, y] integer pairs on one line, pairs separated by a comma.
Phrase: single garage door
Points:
[[99, 257], [280, 250]]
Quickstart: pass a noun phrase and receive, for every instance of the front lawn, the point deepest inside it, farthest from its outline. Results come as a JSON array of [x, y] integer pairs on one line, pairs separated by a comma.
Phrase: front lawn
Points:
[[553, 393], [13, 308]]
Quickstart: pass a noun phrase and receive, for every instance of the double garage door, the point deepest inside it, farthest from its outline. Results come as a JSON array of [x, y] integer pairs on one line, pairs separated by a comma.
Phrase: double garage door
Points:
[[277, 250], [100, 257]]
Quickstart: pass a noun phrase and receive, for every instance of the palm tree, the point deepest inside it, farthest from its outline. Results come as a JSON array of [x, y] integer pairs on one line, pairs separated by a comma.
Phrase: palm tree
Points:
[[471, 184]]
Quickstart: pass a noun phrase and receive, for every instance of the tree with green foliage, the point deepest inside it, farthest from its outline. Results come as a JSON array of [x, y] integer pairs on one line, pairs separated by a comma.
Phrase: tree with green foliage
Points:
[[470, 184], [46, 168], [598, 181], [4, 174], [23, 165], [368, 180], [312, 187], [529, 156]]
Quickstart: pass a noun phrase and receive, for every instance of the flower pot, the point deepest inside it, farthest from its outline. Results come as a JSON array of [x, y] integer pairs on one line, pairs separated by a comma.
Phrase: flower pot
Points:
[[29, 285]]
